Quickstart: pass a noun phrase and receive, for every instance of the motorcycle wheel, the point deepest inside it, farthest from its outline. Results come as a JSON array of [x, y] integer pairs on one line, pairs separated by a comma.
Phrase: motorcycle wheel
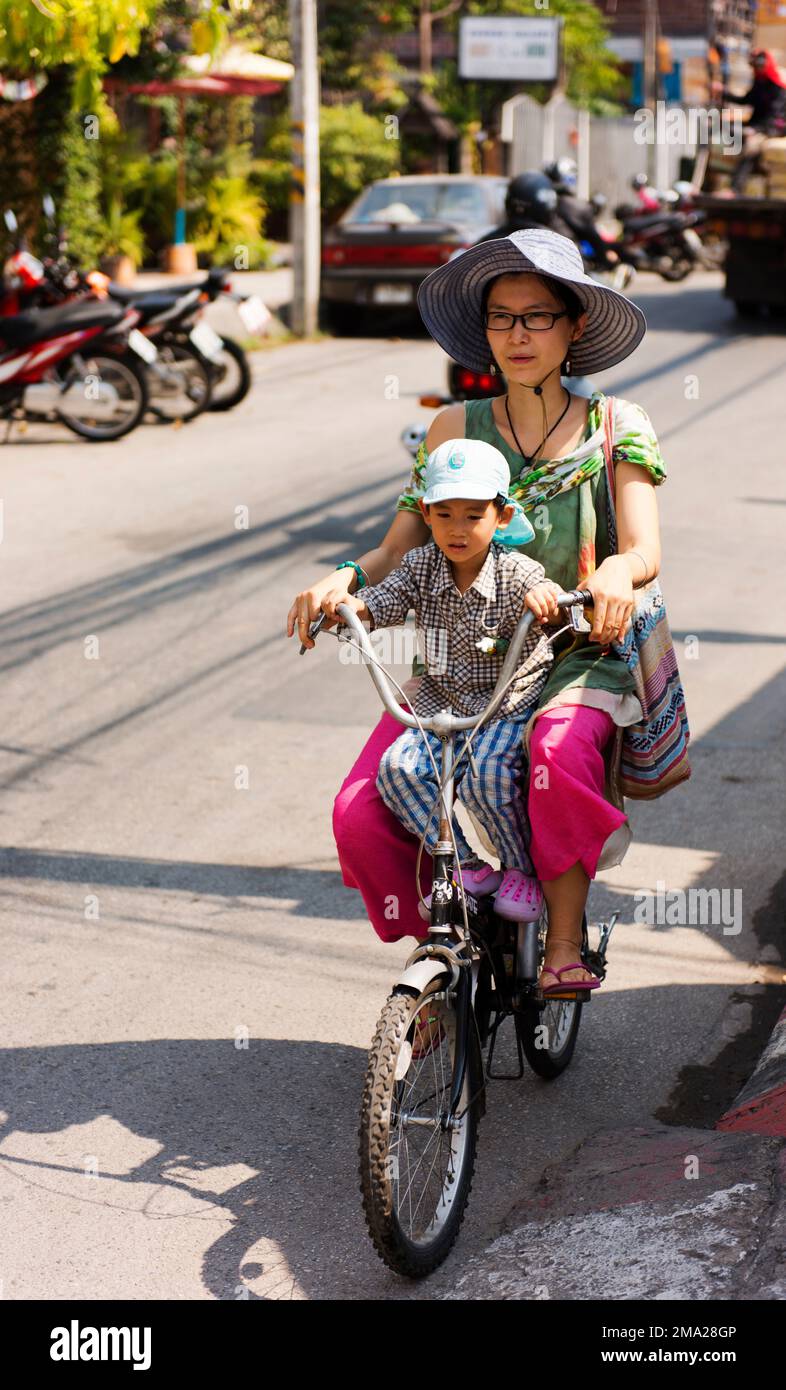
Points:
[[127, 378], [681, 263], [189, 389], [231, 377], [714, 252]]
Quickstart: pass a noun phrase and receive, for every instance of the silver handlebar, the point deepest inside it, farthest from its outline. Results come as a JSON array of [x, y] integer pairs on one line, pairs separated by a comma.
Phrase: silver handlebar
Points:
[[444, 722]]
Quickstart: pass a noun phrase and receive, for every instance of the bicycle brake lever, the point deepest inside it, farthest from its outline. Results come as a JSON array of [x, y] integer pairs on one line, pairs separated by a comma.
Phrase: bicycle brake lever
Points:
[[313, 630], [578, 622]]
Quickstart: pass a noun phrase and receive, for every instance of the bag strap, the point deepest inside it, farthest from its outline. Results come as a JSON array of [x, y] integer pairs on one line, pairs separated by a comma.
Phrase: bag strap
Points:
[[608, 445], [611, 489]]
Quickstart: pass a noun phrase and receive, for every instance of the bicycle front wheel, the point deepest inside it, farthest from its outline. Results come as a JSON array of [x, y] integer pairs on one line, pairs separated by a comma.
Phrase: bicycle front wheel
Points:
[[416, 1160]]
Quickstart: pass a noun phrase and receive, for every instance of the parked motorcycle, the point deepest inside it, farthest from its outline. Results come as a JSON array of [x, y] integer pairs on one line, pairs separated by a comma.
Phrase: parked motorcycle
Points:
[[229, 366], [81, 363], [660, 231], [665, 242], [195, 369], [181, 375], [179, 370]]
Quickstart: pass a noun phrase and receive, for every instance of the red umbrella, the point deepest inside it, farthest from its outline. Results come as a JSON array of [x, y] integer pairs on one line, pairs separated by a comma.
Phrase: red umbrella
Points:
[[217, 85]]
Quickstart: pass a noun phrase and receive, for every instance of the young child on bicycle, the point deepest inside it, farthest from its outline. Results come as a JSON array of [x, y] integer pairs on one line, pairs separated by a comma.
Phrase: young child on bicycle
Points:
[[468, 592]]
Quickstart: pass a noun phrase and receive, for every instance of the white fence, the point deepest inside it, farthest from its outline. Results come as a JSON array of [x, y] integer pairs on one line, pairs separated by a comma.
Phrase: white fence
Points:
[[603, 146]]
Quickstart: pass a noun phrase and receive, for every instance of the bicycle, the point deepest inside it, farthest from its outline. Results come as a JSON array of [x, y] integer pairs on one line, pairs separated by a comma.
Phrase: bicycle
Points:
[[422, 1104]]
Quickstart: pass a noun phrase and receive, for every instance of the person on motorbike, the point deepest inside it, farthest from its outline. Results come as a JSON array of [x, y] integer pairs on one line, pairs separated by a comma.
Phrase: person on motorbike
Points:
[[577, 214], [530, 202], [767, 100]]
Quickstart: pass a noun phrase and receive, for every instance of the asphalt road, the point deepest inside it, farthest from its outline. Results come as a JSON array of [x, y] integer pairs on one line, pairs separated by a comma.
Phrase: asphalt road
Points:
[[188, 990]]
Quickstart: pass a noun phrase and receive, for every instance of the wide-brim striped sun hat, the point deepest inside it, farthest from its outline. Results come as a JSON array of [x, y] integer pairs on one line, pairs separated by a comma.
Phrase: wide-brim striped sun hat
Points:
[[450, 300]]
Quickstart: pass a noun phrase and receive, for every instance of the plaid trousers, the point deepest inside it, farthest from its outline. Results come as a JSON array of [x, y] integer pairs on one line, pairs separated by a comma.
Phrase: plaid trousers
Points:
[[496, 796]]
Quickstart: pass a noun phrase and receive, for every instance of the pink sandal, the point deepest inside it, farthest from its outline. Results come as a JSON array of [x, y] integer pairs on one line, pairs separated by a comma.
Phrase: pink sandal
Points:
[[519, 897], [566, 986]]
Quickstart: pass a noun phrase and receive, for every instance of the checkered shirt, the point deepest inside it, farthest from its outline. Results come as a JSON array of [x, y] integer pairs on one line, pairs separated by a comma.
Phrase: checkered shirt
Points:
[[458, 675]]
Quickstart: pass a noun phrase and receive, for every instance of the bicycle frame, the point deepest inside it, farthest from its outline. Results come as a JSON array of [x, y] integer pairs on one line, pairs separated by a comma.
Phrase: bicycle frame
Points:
[[437, 958]]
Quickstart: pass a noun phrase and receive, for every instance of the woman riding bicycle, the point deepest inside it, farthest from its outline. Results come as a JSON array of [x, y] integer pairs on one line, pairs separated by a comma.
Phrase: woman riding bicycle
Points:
[[523, 304]]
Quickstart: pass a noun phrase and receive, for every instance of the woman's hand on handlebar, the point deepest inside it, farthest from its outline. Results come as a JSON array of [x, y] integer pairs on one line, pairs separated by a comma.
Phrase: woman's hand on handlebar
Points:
[[308, 604], [542, 600], [611, 587]]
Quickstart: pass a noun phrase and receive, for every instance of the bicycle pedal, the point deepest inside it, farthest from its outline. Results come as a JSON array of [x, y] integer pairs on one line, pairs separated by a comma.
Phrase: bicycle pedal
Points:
[[583, 996]]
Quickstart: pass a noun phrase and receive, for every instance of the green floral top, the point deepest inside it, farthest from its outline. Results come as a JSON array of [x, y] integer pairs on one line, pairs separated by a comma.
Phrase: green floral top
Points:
[[558, 523]]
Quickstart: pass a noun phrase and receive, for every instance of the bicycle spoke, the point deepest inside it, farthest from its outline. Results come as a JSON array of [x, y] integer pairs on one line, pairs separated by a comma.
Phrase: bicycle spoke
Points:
[[437, 1134]]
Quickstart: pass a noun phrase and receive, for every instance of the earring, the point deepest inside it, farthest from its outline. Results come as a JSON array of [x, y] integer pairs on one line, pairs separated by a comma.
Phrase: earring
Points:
[[492, 368], [567, 366]]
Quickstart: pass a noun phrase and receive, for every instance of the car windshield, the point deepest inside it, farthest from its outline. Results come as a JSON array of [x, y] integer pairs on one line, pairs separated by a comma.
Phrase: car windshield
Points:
[[405, 203]]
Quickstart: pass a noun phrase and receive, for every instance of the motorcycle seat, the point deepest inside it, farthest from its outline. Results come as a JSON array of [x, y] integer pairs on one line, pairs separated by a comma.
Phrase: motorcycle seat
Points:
[[124, 294], [151, 302], [18, 330], [641, 220], [214, 279]]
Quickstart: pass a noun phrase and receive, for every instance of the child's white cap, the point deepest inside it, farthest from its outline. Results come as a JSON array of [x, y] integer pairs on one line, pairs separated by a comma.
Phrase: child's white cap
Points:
[[465, 468]]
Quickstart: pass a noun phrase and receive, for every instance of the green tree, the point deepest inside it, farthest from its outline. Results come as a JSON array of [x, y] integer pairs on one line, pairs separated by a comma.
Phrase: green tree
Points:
[[353, 150], [83, 35], [74, 44], [592, 75], [355, 56]]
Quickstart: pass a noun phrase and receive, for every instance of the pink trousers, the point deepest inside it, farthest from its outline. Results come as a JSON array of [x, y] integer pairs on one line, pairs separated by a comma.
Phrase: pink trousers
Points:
[[569, 815]]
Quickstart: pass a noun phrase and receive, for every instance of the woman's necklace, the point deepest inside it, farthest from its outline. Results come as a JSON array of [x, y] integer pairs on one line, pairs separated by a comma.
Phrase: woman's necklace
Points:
[[529, 459]]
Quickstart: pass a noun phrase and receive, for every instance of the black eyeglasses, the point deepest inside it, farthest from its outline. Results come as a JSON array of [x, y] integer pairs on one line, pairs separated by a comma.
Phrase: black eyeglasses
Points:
[[538, 321]]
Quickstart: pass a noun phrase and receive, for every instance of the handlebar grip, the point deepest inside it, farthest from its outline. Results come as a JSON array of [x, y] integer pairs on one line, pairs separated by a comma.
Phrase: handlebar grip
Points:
[[569, 600]]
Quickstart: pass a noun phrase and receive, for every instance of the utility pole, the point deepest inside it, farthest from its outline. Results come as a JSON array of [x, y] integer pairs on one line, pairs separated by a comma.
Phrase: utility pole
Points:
[[304, 228], [650, 74]]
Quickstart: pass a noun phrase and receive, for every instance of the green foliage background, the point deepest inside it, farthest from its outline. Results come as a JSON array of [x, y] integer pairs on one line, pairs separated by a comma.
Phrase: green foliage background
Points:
[[112, 192]]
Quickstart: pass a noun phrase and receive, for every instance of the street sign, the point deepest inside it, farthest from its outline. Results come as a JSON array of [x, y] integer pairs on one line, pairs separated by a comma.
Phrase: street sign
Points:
[[515, 48]]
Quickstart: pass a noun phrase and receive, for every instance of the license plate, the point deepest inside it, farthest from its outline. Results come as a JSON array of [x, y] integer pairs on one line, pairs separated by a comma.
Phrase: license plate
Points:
[[392, 294], [206, 341], [254, 315], [142, 346]]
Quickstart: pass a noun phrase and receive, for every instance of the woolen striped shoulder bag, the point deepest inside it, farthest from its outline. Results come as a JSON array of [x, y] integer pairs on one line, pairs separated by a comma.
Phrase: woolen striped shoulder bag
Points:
[[654, 752]]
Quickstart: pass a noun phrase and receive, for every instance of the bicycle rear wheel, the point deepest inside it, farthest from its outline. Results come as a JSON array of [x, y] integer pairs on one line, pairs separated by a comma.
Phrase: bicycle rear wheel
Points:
[[416, 1163], [548, 1034]]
